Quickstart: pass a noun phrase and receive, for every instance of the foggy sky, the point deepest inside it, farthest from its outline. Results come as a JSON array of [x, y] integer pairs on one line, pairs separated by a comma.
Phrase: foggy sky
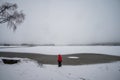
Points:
[[65, 22]]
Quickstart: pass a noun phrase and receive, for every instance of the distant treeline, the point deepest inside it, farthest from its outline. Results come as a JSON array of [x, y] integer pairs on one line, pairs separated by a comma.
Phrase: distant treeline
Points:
[[96, 44], [92, 44], [25, 44]]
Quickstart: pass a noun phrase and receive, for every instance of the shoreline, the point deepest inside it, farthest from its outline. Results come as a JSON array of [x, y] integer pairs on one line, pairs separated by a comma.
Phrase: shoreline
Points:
[[83, 59]]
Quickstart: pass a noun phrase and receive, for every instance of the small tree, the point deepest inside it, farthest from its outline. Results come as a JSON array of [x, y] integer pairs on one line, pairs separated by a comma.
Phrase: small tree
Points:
[[10, 15]]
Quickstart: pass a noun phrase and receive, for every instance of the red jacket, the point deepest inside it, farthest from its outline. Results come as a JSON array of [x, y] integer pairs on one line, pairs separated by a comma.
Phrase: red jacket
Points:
[[59, 58]]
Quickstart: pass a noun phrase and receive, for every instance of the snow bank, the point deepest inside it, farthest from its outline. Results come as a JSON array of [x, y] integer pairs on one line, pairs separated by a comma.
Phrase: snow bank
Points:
[[54, 50], [30, 70], [73, 57]]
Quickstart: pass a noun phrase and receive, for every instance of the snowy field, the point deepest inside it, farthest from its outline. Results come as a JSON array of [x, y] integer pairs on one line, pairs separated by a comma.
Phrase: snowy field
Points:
[[54, 50], [29, 70]]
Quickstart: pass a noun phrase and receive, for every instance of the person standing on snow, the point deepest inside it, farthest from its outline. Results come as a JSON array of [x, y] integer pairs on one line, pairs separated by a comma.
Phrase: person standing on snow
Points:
[[59, 60]]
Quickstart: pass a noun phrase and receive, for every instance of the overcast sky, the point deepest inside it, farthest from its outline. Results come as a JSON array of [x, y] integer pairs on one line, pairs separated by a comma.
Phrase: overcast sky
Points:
[[65, 22]]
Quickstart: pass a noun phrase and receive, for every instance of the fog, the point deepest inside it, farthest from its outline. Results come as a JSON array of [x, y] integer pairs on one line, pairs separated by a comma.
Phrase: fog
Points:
[[65, 22]]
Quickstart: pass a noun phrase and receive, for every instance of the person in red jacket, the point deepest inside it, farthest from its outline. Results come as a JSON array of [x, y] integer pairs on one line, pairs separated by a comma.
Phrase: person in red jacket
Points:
[[59, 60]]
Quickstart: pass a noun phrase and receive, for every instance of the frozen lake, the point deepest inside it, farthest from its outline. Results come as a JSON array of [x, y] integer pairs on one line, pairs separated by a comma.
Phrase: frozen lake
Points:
[[54, 50]]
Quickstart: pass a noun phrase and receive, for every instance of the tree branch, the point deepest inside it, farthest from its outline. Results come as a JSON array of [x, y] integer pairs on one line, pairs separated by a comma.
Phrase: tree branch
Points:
[[6, 7], [9, 14], [3, 21]]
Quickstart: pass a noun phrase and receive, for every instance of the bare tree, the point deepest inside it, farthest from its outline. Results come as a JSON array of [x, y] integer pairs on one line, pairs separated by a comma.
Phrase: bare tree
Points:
[[10, 15]]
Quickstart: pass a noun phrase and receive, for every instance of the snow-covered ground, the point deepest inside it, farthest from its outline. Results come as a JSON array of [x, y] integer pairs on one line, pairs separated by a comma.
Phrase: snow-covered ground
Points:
[[53, 50], [29, 70]]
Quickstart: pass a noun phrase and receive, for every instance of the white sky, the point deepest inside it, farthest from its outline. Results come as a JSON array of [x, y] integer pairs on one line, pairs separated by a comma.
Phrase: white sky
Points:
[[65, 21]]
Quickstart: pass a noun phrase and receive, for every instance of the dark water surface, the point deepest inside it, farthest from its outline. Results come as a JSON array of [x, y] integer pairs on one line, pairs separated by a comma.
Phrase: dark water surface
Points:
[[83, 59]]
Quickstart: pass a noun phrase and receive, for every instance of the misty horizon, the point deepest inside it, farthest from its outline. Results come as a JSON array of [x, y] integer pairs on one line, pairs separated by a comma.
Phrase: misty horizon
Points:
[[65, 22]]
